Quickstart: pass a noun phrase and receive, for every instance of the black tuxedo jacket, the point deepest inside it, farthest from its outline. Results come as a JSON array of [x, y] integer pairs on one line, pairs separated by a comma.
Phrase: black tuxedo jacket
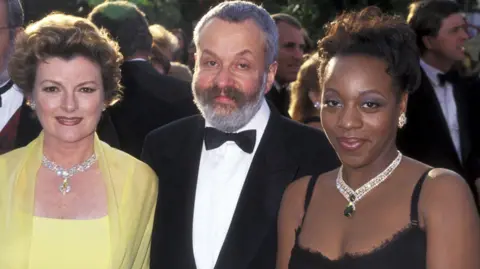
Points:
[[286, 152], [280, 99], [426, 136], [150, 100], [29, 128]]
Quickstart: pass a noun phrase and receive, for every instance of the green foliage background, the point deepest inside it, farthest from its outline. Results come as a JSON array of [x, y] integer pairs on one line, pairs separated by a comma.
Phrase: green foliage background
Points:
[[312, 13], [184, 13]]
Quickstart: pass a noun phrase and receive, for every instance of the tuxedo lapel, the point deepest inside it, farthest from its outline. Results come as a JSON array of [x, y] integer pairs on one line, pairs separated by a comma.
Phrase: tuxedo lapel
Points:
[[433, 113], [182, 166], [436, 109], [257, 207], [463, 117], [280, 99]]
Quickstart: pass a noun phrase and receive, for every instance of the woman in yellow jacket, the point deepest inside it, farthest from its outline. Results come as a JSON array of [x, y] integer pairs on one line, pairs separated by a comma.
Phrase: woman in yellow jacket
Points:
[[69, 200]]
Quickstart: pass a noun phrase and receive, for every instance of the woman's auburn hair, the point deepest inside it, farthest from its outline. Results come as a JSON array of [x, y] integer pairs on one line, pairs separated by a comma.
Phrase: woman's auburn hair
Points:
[[65, 36]]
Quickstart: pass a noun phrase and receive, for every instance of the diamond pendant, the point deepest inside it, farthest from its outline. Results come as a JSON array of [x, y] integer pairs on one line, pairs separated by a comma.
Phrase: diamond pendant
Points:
[[65, 187], [349, 210]]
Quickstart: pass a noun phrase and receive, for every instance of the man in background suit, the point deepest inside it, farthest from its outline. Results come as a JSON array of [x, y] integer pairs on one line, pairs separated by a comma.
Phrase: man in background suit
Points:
[[290, 58], [442, 125], [222, 175], [13, 109], [150, 99]]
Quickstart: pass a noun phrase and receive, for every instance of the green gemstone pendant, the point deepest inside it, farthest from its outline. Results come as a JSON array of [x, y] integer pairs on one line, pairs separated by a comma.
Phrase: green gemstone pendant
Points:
[[349, 210]]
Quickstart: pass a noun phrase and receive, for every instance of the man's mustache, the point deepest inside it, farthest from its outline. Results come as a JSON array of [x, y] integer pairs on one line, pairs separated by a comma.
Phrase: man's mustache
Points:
[[229, 92]]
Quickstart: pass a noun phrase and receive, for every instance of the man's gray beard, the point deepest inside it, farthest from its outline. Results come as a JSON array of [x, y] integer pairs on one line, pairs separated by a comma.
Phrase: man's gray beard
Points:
[[237, 118]]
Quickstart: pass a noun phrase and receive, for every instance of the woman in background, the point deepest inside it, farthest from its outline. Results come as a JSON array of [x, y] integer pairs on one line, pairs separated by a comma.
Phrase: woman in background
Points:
[[159, 61], [67, 199], [305, 94]]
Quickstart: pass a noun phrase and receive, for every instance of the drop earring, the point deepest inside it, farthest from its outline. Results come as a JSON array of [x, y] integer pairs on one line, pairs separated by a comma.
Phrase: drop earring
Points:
[[402, 120], [33, 105]]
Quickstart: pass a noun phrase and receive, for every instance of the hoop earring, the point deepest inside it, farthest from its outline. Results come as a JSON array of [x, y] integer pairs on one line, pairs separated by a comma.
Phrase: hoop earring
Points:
[[402, 120]]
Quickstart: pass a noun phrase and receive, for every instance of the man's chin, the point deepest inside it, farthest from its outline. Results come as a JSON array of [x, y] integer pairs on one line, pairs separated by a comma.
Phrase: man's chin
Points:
[[223, 108]]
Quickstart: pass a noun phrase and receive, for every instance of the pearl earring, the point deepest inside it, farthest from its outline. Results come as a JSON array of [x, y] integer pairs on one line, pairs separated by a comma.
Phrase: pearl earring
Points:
[[402, 120], [317, 105]]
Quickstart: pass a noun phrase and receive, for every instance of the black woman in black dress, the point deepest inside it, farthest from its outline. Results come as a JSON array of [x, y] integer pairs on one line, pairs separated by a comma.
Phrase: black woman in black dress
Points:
[[380, 209]]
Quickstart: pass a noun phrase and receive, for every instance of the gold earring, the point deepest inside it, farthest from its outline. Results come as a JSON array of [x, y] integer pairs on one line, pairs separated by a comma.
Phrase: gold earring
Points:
[[402, 120]]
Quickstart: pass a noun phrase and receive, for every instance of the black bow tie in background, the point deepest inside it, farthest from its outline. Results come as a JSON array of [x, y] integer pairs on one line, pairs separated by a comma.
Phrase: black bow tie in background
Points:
[[4, 89], [215, 138], [451, 76]]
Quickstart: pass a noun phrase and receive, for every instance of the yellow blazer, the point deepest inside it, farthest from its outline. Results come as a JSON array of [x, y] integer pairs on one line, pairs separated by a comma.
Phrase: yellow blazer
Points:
[[131, 191]]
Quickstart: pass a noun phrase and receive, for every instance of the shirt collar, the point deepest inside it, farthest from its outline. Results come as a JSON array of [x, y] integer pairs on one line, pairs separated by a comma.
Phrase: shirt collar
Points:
[[431, 72], [137, 60]]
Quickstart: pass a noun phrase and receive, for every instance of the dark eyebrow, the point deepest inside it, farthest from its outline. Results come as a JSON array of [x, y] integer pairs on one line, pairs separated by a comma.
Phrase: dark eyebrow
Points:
[[362, 92], [371, 91], [86, 83], [60, 84], [460, 26], [289, 44], [51, 81]]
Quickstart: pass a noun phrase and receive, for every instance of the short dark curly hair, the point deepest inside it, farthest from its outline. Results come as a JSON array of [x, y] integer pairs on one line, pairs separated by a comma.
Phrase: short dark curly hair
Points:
[[372, 33], [65, 36], [126, 23]]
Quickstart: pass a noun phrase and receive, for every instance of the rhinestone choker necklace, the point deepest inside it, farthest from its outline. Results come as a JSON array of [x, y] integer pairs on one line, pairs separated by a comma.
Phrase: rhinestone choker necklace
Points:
[[66, 174], [353, 196]]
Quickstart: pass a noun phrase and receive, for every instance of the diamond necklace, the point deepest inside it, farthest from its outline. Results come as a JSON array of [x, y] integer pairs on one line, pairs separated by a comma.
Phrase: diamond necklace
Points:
[[66, 174], [353, 196]]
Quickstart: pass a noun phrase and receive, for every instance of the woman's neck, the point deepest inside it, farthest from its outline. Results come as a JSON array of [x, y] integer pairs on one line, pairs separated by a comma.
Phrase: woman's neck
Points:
[[68, 154], [355, 177]]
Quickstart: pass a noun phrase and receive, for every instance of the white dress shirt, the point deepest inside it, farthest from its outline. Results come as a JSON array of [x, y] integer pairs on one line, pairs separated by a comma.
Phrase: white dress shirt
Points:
[[222, 173], [447, 103], [11, 102], [137, 60]]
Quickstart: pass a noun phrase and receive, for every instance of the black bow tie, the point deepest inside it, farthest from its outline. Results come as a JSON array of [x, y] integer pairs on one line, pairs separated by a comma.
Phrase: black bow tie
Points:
[[4, 89], [451, 76], [215, 138]]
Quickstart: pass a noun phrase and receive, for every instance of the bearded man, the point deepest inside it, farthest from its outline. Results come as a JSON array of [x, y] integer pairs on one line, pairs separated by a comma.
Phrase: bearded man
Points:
[[222, 173]]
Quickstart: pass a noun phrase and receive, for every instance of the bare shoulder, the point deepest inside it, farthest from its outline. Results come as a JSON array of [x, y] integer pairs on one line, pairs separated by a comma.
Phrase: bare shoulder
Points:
[[298, 186], [293, 201], [446, 191], [444, 181], [295, 193]]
